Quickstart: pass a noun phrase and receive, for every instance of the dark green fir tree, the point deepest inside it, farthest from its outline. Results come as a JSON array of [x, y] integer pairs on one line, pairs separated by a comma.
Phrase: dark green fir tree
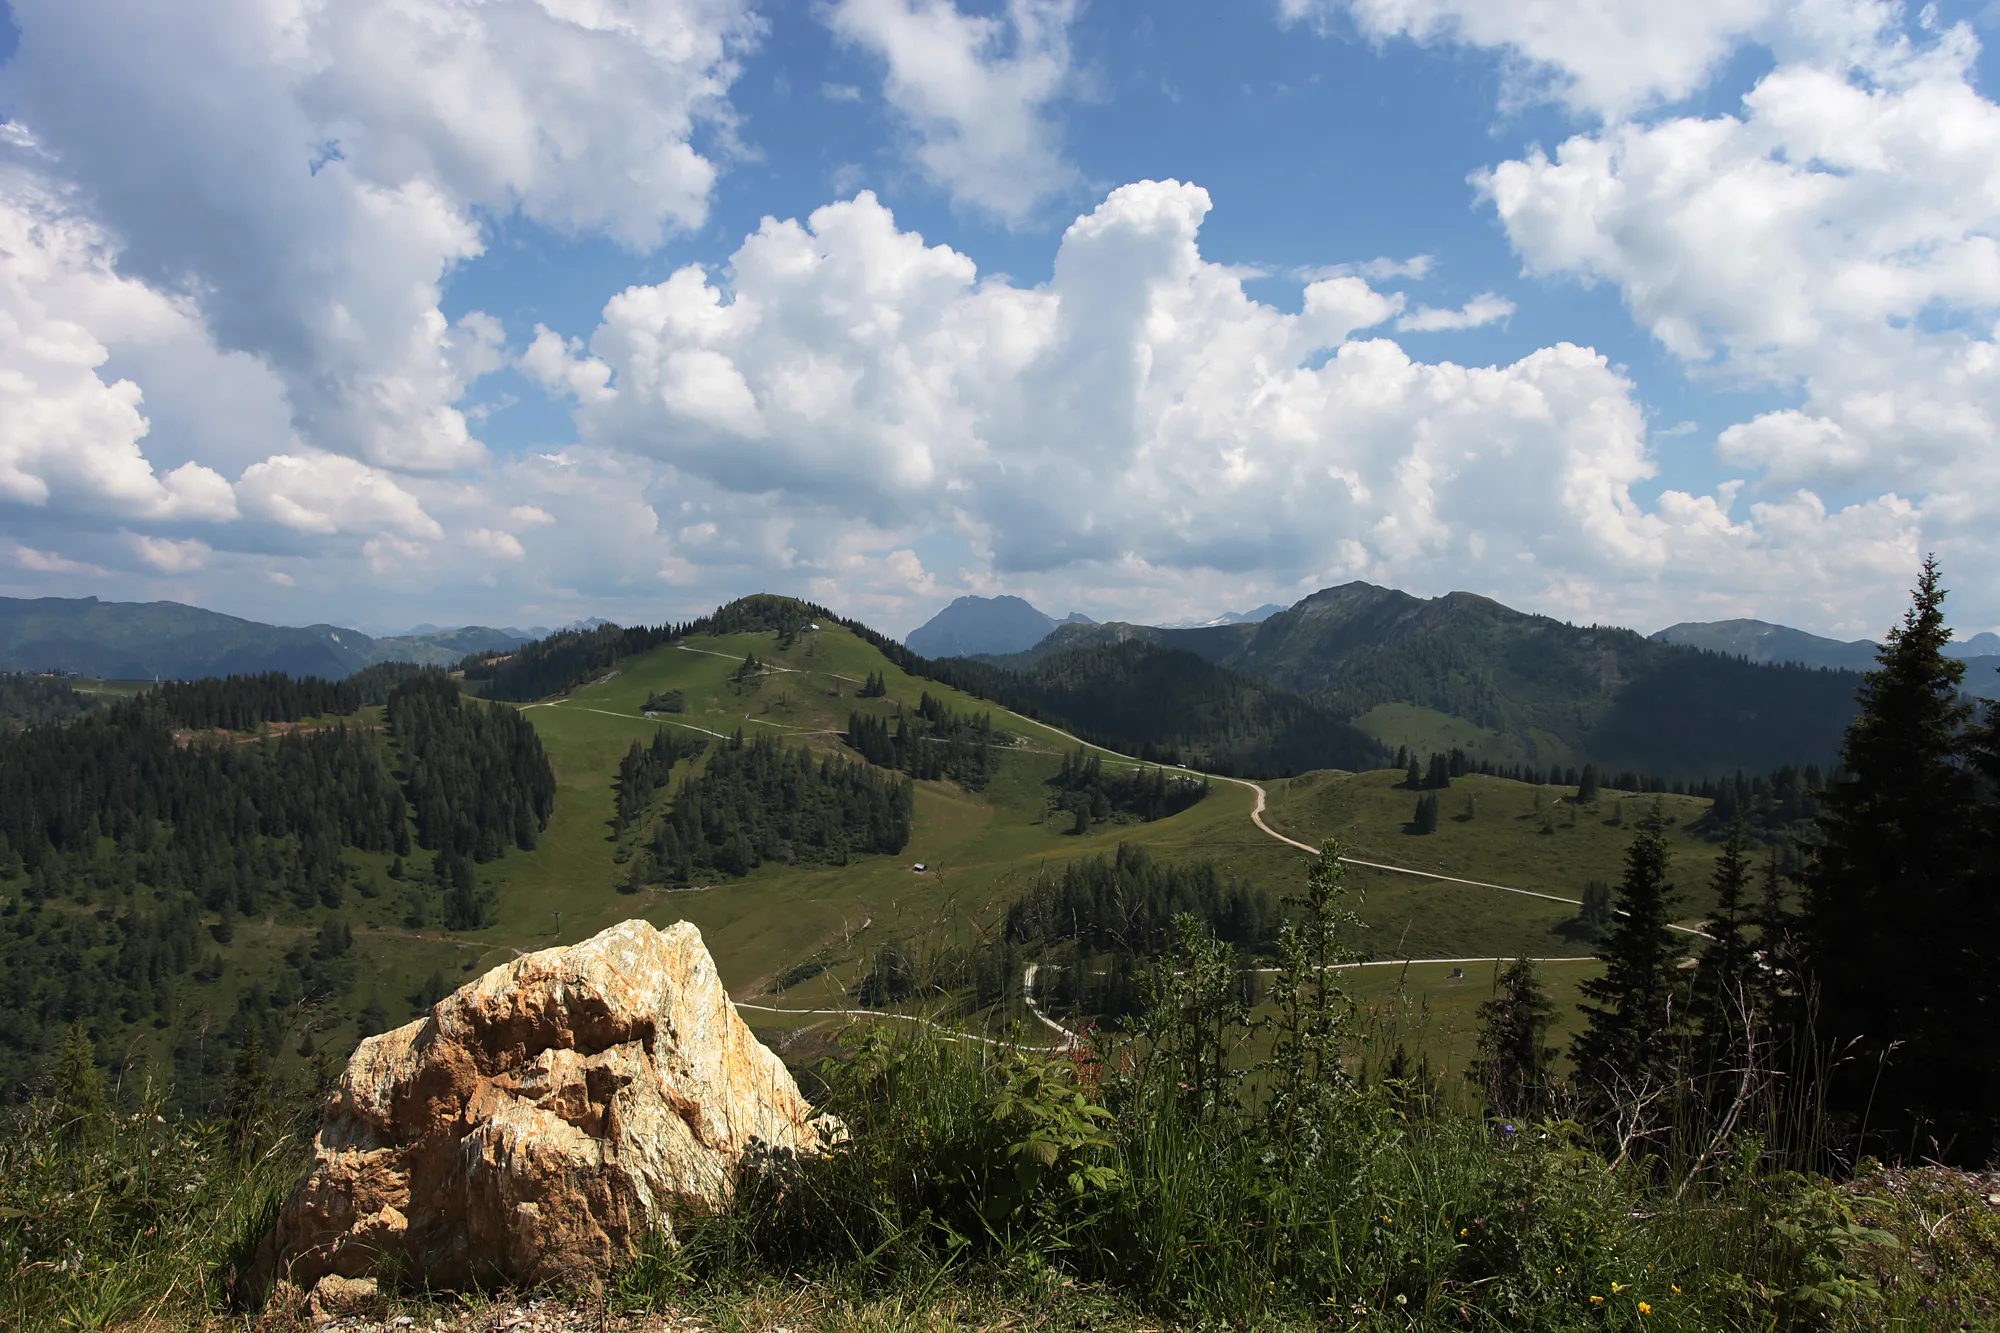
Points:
[[1891, 960], [1515, 1065], [1627, 1044], [1724, 1006]]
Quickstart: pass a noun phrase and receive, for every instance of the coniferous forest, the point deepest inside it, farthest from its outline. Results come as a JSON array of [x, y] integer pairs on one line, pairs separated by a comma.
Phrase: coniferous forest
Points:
[[645, 770], [759, 801], [126, 829], [478, 779], [26, 701], [929, 743], [1084, 791]]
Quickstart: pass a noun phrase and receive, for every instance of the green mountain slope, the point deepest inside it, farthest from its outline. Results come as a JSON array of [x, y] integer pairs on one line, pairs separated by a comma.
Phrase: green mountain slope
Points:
[[176, 944], [1144, 697], [167, 640], [1514, 687]]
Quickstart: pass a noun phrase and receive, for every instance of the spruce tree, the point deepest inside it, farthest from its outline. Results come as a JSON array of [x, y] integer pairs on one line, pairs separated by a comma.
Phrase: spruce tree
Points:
[[1777, 941], [1627, 1040], [1514, 1064], [1884, 927], [1725, 980], [1425, 818]]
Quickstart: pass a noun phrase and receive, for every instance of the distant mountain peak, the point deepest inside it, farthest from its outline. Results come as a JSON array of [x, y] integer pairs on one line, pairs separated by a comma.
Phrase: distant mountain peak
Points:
[[1255, 616], [974, 624], [1761, 641]]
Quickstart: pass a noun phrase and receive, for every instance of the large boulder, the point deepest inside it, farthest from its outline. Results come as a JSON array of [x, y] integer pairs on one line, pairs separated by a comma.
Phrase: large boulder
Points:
[[541, 1121]]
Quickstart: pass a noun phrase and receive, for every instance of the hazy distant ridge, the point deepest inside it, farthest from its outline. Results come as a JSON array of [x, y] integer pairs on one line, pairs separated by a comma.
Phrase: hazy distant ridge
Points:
[[167, 640]]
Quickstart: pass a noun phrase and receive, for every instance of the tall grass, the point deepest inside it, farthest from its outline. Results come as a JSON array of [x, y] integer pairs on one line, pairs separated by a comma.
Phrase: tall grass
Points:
[[112, 1208], [1319, 1180], [969, 1160]]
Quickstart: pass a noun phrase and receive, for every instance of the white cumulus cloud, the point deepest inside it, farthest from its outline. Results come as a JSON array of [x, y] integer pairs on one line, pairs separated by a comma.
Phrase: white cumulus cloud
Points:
[[308, 175], [1837, 237], [975, 91], [1608, 57], [71, 439], [1481, 310], [169, 556], [493, 542], [1142, 416], [327, 494]]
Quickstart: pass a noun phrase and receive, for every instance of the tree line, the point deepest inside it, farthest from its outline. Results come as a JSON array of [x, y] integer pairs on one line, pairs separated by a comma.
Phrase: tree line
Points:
[[645, 770], [561, 661], [1782, 802], [1095, 926], [244, 703]]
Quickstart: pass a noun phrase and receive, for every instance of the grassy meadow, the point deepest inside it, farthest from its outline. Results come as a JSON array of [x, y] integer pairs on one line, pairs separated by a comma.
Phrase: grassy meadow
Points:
[[980, 850]]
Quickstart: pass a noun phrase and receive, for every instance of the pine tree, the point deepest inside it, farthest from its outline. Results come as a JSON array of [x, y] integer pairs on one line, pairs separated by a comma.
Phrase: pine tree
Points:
[[1777, 942], [1626, 1044], [1883, 928], [1726, 988], [1594, 913], [1425, 818], [1586, 786], [1515, 1063], [250, 1093]]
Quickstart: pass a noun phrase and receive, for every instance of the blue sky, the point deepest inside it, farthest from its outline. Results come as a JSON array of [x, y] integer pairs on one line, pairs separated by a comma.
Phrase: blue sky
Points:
[[422, 310]]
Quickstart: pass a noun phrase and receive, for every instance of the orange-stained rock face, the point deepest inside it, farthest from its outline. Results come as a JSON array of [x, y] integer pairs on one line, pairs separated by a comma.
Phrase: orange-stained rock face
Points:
[[541, 1121]]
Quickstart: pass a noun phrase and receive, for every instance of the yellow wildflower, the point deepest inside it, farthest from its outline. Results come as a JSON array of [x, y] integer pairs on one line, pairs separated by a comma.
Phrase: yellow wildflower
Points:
[[1597, 1300], [1617, 1287], [1644, 1308]]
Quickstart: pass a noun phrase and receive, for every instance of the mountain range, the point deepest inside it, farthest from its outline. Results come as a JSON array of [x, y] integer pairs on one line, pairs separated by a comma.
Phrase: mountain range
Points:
[[1349, 667], [1465, 671], [974, 625], [1761, 641], [167, 640]]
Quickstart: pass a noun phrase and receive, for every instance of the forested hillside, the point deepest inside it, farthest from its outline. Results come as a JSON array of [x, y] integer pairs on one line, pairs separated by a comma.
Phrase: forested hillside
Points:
[[1160, 702], [1540, 690], [170, 641], [135, 838], [26, 701], [930, 741]]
